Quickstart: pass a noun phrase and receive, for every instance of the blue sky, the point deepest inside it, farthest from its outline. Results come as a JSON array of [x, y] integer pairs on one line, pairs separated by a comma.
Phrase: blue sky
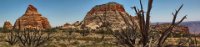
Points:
[[60, 12]]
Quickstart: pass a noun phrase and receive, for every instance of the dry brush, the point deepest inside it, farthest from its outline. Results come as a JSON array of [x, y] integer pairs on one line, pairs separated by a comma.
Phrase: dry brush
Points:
[[28, 38]]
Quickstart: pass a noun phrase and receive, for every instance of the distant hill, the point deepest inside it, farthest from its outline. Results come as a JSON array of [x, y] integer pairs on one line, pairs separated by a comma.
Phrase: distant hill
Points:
[[194, 26]]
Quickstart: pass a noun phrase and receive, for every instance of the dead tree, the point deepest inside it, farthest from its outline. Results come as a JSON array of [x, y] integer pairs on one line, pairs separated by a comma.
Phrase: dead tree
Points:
[[144, 28], [166, 33]]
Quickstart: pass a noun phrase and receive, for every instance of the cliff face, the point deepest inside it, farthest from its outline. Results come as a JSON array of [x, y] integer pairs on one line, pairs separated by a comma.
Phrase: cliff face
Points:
[[32, 20], [110, 14], [7, 26]]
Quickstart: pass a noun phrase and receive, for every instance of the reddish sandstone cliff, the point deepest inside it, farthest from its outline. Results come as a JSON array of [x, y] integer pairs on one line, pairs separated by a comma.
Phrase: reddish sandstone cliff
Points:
[[32, 19]]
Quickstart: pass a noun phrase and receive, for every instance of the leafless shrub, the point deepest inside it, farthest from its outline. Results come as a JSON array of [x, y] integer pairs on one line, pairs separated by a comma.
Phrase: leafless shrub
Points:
[[33, 38], [28, 38], [190, 39], [126, 37], [11, 38]]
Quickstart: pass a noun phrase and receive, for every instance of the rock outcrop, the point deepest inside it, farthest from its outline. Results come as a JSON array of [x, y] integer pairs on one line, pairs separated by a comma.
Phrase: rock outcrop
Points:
[[7, 26], [75, 25], [32, 19], [68, 26], [111, 14]]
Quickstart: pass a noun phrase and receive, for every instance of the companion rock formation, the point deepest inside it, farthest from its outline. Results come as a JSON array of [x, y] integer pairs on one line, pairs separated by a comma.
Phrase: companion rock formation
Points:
[[7, 26], [111, 14]]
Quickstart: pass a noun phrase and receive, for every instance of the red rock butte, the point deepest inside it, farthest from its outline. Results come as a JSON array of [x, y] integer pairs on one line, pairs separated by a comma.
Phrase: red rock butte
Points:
[[111, 6], [32, 19]]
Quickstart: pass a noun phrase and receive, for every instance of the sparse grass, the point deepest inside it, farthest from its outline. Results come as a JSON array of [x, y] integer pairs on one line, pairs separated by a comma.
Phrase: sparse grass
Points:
[[61, 39]]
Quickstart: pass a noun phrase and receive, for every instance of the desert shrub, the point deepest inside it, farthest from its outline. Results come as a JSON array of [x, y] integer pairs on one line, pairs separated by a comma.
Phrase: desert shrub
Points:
[[75, 43], [28, 38], [103, 31], [70, 36], [62, 45], [71, 30], [1, 29], [5, 30], [11, 38], [84, 32]]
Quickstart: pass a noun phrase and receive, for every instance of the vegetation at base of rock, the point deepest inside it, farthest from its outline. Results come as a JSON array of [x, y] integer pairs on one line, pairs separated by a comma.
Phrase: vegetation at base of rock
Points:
[[28, 37], [63, 38]]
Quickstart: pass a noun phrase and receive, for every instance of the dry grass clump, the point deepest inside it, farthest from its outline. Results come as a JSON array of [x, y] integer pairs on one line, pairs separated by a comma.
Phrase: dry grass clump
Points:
[[64, 38]]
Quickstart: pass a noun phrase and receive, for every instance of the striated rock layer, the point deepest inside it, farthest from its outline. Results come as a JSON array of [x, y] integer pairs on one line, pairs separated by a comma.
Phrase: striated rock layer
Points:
[[177, 29], [32, 20], [111, 14]]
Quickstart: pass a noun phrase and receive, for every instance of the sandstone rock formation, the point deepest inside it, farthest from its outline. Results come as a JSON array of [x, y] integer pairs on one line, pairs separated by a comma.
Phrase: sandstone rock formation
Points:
[[68, 26], [32, 20], [7, 26], [111, 14]]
